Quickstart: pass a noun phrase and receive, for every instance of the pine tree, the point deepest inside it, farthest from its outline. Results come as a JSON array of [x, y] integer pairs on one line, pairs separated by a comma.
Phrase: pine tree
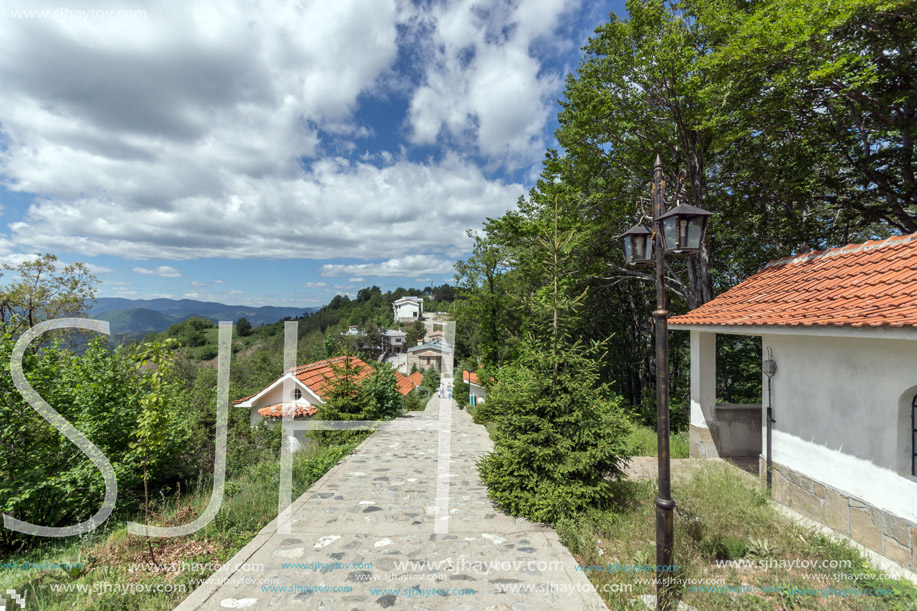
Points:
[[560, 433]]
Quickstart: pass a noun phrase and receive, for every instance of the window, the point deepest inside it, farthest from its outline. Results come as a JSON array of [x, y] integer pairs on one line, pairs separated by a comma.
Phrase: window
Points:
[[297, 394]]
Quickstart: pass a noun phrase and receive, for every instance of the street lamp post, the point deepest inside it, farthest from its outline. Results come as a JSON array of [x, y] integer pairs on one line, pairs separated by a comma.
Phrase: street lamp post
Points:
[[676, 231]]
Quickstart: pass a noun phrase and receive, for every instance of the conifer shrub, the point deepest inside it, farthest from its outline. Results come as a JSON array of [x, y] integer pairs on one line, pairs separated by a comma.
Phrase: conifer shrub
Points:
[[559, 438]]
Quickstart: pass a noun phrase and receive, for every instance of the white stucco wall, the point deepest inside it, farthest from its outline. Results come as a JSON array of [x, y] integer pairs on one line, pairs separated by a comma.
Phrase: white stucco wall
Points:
[[703, 378], [408, 310], [838, 409], [274, 395]]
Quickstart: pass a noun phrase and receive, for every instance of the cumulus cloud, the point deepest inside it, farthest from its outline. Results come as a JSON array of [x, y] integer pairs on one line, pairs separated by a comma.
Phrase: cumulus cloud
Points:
[[338, 209], [410, 266], [199, 131], [482, 81], [164, 271]]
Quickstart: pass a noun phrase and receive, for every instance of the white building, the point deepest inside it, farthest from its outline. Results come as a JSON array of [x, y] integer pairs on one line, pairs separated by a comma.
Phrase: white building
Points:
[[477, 394], [393, 341], [840, 326], [408, 309]]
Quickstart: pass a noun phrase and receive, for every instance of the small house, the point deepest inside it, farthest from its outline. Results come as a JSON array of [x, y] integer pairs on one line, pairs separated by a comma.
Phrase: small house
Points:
[[838, 332], [476, 391], [436, 354], [408, 309], [306, 388]]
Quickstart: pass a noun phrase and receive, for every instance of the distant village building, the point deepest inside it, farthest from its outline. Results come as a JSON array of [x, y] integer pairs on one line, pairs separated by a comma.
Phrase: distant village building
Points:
[[429, 354], [393, 341], [476, 391], [838, 334], [408, 309]]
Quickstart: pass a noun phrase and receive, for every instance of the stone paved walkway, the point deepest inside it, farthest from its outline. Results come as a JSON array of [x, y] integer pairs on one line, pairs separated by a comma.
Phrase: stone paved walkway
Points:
[[374, 514]]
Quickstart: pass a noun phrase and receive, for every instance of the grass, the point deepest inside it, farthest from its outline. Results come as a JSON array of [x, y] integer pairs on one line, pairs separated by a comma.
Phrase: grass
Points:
[[642, 440], [249, 504], [721, 516]]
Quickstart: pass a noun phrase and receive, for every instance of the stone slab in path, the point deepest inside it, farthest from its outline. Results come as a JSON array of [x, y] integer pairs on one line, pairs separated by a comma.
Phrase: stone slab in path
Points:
[[365, 536]]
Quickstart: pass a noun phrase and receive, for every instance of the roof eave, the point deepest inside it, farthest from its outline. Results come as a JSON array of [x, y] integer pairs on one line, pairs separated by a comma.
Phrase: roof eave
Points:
[[904, 333]]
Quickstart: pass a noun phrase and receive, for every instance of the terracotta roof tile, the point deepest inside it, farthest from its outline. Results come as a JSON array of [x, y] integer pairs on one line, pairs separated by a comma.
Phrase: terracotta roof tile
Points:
[[858, 285], [319, 376], [276, 411], [406, 384]]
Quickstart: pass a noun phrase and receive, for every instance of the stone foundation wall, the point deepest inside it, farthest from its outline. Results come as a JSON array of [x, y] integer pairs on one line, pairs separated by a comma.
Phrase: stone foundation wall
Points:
[[884, 533], [702, 442]]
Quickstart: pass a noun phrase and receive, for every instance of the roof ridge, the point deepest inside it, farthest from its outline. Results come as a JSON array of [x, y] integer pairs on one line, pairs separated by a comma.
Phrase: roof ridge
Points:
[[842, 250]]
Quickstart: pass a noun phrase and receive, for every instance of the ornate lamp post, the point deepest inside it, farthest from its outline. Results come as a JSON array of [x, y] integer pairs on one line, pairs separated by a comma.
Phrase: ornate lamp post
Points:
[[677, 231]]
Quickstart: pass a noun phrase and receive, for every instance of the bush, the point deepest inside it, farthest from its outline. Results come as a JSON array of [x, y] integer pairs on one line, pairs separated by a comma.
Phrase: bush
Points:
[[46, 479], [559, 435]]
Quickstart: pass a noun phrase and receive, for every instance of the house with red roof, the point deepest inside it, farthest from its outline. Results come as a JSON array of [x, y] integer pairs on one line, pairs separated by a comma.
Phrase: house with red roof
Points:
[[838, 332], [407, 384], [303, 389], [477, 393]]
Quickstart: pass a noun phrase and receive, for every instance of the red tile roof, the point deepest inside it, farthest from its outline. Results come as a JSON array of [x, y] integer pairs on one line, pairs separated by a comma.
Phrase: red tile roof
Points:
[[470, 376], [276, 411], [859, 285], [319, 376], [406, 384]]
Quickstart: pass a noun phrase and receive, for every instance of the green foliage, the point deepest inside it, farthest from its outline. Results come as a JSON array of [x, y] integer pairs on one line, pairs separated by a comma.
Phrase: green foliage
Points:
[[44, 291], [161, 424], [643, 441], [558, 439], [383, 401], [560, 435], [46, 479], [460, 389], [243, 327], [415, 334], [354, 397]]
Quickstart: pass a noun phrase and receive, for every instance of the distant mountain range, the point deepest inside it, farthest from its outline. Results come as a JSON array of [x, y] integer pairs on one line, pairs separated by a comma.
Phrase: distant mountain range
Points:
[[137, 317]]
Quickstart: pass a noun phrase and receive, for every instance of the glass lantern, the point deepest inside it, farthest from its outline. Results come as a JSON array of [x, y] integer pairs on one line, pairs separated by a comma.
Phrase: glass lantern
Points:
[[638, 245], [683, 229]]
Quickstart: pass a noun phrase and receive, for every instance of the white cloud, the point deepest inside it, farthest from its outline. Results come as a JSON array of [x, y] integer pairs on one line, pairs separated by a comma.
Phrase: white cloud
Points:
[[356, 279], [164, 271], [315, 285], [482, 83], [199, 131], [98, 269], [409, 266], [354, 210]]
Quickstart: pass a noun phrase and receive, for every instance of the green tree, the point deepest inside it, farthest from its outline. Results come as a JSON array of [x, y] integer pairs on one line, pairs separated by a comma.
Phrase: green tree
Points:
[[560, 434], [415, 334], [382, 399], [43, 290], [161, 425], [243, 327], [824, 96]]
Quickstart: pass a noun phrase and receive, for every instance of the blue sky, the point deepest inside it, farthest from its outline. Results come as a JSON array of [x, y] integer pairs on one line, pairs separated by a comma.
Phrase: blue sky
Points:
[[275, 155]]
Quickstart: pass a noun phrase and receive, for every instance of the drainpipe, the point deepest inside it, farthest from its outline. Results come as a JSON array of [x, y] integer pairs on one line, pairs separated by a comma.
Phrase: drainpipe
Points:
[[769, 367]]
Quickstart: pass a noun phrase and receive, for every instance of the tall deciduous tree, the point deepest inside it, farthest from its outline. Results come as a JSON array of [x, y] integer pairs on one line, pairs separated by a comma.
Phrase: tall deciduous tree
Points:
[[41, 289]]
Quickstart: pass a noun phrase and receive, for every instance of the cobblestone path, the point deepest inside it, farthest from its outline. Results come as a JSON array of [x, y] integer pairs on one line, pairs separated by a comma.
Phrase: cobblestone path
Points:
[[370, 534]]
